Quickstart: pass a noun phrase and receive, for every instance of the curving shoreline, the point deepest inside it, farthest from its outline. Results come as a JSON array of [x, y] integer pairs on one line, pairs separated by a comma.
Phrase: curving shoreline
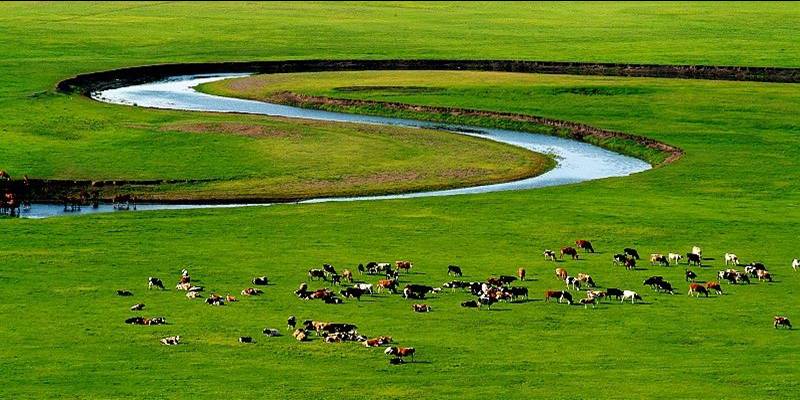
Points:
[[102, 80]]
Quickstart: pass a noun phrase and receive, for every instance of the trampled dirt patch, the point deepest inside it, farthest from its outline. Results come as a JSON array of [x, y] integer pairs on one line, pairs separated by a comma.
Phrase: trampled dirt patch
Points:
[[232, 128]]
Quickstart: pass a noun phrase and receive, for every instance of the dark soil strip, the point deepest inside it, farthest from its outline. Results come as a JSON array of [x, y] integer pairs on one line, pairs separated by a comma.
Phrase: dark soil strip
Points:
[[86, 83], [574, 130]]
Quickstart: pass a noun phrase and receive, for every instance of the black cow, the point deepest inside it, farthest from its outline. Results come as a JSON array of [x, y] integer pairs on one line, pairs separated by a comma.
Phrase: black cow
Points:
[[291, 322], [690, 276], [352, 293], [416, 290], [154, 282], [507, 279], [455, 270], [614, 292], [653, 281], [316, 274], [620, 259], [123, 292], [631, 252], [518, 291], [470, 304], [665, 286], [694, 259], [245, 339], [261, 281], [329, 269]]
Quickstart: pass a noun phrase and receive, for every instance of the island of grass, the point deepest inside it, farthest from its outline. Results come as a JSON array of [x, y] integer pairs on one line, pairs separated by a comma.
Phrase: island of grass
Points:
[[191, 157]]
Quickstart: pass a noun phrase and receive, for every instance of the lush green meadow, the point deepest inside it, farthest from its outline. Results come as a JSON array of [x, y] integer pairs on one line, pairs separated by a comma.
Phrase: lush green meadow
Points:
[[736, 189]]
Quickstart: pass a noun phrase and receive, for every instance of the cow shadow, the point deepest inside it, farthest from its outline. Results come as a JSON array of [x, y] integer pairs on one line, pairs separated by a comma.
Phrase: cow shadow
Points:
[[526, 301]]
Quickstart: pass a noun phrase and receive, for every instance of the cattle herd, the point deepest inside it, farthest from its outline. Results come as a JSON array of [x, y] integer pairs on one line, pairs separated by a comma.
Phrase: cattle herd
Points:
[[386, 277]]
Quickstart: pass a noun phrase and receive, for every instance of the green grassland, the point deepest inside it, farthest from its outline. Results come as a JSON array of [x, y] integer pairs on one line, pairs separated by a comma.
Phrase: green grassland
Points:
[[734, 190]]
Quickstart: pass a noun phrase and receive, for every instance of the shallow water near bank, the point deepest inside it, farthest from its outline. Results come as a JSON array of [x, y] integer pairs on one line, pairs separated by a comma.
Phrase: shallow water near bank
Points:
[[576, 161]]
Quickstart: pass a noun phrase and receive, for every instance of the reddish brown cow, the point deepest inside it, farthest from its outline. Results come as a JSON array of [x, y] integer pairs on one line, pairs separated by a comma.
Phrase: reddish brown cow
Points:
[[697, 288], [404, 265], [557, 294], [585, 245], [715, 286], [570, 252], [401, 352]]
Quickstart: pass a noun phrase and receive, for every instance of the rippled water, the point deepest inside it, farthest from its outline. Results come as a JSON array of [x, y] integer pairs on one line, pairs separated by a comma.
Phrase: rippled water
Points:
[[576, 161]]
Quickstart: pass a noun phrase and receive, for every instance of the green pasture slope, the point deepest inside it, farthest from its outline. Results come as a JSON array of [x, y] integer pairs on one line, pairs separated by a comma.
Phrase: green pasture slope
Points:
[[736, 189]]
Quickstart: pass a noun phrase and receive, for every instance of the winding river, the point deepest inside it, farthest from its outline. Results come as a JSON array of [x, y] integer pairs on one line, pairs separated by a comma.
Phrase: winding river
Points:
[[576, 161]]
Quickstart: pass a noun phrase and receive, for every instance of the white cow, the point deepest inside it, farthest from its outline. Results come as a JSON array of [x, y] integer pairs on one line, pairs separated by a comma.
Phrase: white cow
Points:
[[171, 341], [674, 257], [630, 294], [731, 258], [697, 250], [795, 264], [366, 287]]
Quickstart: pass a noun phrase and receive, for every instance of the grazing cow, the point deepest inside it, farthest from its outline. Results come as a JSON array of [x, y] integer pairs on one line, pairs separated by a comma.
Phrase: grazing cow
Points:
[[619, 259], [271, 332], [361, 269], [585, 245], [731, 258], [336, 279], [470, 304], [630, 263], [124, 293], [421, 308], [693, 259], [698, 251], [561, 273], [573, 282], [352, 293], [549, 255], [246, 339], [315, 273], [300, 334], [781, 321], [521, 273], [714, 286], [631, 252], [659, 259], [154, 282], [690, 276], [742, 278], [454, 270], [507, 279], [664, 286], [653, 281], [171, 341], [137, 307], [570, 252], [630, 294], [328, 268], [404, 265], [388, 284], [416, 291], [251, 292], [366, 287], [487, 301], [261, 281], [291, 322], [614, 292], [728, 275], [674, 258], [558, 294], [795, 264], [401, 352], [589, 300], [517, 292], [347, 275], [763, 275], [595, 294], [696, 288]]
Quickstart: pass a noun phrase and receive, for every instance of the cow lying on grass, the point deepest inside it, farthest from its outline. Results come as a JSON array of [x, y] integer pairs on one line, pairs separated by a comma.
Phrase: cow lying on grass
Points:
[[146, 321], [171, 341]]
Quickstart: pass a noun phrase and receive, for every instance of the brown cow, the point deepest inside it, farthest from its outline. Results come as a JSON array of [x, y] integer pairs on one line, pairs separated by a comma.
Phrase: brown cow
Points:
[[401, 352], [585, 245], [713, 285], [421, 308], [697, 288], [763, 275], [570, 252], [521, 273], [558, 294], [404, 265], [389, 284]]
